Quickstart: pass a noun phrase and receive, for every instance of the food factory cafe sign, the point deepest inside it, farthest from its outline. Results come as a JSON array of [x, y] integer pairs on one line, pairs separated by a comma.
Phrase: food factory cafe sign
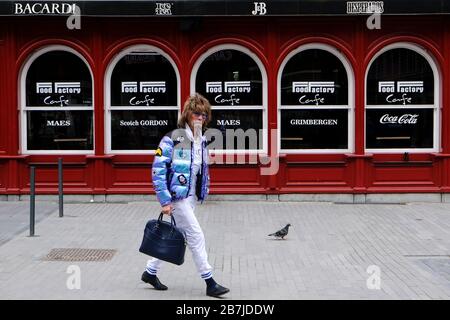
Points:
[[220, 7]]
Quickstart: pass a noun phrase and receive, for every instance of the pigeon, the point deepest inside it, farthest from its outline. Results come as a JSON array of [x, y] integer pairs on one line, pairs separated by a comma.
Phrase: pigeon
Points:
[[281, 233]]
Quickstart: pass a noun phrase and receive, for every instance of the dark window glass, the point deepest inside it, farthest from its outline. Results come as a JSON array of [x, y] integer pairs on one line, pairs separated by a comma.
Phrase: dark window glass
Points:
[[139, 129], [400, 77], [144, 80], [59, 130], [249, 121], [230, 78], [314, 77], [399, 128], [314, 129], [58, 79]]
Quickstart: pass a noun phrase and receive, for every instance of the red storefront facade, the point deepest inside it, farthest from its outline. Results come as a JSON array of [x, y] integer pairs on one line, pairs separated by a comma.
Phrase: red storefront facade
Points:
[[357, 166]]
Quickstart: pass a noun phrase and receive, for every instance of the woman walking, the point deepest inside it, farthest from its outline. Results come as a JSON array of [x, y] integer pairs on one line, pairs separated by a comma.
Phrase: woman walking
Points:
[[180, 173]]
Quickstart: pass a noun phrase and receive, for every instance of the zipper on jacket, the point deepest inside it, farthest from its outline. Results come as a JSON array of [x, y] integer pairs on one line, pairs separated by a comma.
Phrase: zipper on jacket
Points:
[[203, 175], [190, 172]]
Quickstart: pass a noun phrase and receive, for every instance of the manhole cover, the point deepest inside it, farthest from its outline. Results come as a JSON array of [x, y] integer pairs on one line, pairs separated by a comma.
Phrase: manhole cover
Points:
[[79, 254]]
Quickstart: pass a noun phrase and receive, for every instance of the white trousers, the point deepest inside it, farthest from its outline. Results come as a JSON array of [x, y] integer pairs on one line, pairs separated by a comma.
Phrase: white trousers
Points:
[[183, 212]]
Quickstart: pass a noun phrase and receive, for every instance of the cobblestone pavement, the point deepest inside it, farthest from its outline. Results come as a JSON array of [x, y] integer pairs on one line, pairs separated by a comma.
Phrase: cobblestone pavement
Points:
[[333, 251]]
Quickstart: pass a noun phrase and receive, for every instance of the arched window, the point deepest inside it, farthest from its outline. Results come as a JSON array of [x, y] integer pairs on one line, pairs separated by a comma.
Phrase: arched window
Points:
[[233, 79], [315, 100], [142, 99], [57, 103], [402, 101]]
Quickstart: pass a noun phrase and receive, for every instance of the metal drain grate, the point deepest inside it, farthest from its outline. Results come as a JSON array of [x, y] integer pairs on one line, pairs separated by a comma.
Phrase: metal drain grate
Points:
[[79, 254]]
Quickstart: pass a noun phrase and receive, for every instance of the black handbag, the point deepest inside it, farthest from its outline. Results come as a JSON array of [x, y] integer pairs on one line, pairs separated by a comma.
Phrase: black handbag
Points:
[[163, 240]]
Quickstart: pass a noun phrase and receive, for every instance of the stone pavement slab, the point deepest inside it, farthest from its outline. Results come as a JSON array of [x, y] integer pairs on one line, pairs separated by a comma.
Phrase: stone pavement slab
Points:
[[332, 251], [15, 217]]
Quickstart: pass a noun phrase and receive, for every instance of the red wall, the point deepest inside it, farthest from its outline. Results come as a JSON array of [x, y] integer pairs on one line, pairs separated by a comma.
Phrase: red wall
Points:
[[271, 39]]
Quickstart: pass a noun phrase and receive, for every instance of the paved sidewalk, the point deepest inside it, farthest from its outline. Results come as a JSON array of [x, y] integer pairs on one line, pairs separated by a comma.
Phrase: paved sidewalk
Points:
[[15, 217], [325, 256]]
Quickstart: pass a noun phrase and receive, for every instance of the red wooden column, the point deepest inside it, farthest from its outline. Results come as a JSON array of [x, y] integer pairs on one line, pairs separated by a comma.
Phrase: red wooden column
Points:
[[360, 162], [3, 127], [271, 182], [444, 172], [99, 165], [16, 173]]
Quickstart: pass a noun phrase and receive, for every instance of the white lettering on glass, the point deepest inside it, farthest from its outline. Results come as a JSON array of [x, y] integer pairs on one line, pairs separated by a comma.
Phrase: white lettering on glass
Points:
[[232, 100], [62, 101], [403, 119], [147, 101]]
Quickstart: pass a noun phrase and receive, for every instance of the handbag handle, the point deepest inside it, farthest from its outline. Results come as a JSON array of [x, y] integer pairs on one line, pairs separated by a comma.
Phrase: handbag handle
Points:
[[172, 223], [172, 219]]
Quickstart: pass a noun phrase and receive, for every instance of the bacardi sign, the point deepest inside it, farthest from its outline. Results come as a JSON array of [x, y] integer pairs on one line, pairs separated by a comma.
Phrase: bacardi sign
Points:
[[44, 8]]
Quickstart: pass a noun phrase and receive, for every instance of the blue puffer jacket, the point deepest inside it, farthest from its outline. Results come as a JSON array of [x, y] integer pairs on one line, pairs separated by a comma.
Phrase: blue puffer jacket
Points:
[[172, 167]]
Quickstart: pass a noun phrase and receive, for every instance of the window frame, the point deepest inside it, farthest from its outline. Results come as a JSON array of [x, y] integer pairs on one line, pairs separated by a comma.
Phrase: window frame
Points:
[[107, 95], [23, 108], [263, 107], [350, 101], [436, 106]]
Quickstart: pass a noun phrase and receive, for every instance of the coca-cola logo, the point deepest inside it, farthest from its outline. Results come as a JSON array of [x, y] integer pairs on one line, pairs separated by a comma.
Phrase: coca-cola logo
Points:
[[403, 119]]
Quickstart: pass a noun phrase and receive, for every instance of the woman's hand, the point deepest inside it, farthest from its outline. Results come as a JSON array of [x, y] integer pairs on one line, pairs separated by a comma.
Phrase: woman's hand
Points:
[[167, 209]]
